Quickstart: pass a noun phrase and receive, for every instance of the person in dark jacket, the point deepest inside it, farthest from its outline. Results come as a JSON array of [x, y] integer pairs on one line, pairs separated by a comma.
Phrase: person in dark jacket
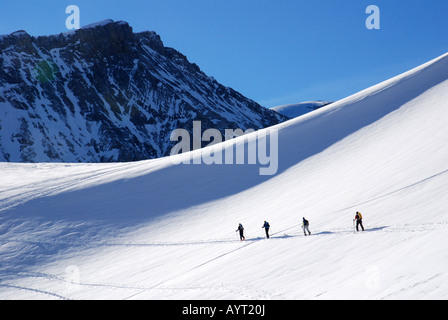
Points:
[[266, 227], [305, 226], [358, 219], [241, 230]]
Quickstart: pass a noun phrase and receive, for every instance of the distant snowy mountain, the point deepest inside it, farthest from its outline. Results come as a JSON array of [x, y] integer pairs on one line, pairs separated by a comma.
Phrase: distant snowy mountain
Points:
[[103, 93], [155, 230], [299, 109]]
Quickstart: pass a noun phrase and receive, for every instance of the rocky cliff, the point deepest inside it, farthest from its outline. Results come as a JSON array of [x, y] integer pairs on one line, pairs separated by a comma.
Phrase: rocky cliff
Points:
[[104, 93]]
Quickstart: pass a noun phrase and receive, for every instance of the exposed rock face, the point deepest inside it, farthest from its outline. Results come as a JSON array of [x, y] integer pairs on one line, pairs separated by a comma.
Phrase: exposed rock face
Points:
[[103, 93], [299, 109]]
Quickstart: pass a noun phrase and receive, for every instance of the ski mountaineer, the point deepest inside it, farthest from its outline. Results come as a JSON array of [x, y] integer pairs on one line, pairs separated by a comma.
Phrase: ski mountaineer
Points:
[[358, 219], [241, 230], [305, 226], [266, 227]]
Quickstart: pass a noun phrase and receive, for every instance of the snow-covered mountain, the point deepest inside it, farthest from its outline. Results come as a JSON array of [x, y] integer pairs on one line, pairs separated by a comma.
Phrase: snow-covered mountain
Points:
[[156, 230], [104, 93], [299, 109]]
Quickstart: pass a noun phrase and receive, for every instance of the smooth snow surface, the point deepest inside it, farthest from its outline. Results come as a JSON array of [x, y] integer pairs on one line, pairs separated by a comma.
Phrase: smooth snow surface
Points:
[[154, 230]]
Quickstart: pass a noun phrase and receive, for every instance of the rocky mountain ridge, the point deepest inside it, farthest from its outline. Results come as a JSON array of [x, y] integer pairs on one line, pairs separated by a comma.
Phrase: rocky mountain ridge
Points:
[[106, 94]]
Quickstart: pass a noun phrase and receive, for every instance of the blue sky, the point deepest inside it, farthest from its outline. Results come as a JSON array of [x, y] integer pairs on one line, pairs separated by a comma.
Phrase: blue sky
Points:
[[274, 52]]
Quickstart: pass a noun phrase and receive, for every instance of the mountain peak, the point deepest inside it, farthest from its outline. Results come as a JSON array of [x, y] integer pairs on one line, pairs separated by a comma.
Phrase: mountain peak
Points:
[[20, 33], [98, 24], [105, 94]]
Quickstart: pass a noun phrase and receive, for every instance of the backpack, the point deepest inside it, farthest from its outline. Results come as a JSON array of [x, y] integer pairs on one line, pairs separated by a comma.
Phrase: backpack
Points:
[[305, 222]]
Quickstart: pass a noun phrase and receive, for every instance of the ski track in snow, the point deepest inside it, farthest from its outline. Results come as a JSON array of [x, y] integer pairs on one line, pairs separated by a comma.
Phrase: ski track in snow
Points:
[[274, 236], [247, 292], [399, 190]]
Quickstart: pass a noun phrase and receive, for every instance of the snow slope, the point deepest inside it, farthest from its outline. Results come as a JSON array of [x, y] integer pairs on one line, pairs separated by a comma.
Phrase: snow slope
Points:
[[154, 230]]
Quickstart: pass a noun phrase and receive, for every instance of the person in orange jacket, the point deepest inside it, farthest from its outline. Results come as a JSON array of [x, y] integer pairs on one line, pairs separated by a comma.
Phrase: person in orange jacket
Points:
[[358, 219]]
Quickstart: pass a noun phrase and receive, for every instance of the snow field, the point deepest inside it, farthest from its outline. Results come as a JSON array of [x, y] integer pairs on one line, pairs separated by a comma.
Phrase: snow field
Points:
[[153, 230]]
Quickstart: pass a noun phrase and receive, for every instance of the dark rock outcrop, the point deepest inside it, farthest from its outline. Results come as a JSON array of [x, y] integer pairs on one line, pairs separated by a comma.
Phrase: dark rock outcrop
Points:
[[103, 93]]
